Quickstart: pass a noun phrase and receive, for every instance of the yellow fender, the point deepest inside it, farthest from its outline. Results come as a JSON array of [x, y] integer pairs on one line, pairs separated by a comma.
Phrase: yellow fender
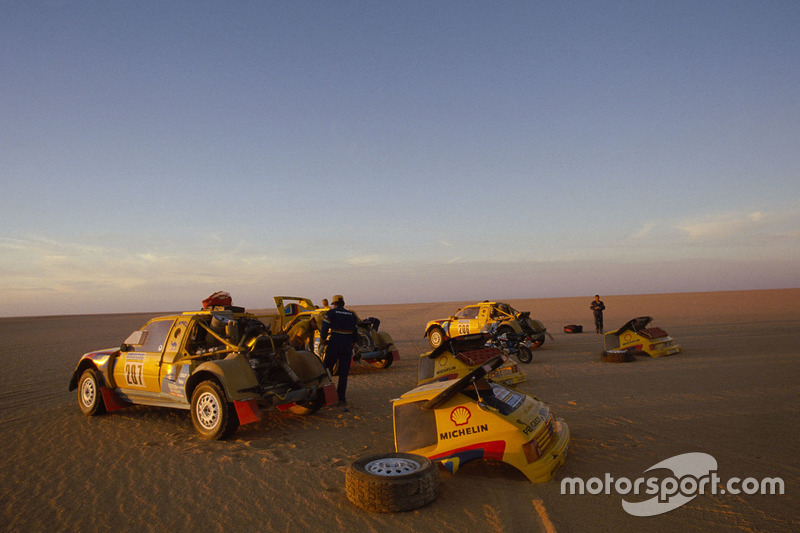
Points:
[[234, 374]]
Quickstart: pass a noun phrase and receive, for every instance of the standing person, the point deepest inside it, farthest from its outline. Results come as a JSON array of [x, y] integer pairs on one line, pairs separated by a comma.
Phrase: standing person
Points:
[[342, 325], [597, 307]]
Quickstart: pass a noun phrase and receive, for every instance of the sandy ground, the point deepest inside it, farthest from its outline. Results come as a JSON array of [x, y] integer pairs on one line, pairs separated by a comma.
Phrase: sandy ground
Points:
[[733, 393]]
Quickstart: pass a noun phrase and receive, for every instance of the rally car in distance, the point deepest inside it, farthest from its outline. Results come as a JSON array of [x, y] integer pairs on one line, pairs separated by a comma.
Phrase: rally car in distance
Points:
[[373, 346], [459, 356], [474, 319], [636, 337], [469, 418], [221, 364]]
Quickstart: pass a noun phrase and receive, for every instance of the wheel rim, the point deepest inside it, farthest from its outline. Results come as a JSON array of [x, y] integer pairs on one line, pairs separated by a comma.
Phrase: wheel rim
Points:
[[392, 466], [436, 337], [88, 392], [207, 410]]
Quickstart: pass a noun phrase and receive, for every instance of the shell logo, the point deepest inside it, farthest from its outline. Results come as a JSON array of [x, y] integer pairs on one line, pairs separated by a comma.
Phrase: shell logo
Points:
[[460, 416], [443, 360]]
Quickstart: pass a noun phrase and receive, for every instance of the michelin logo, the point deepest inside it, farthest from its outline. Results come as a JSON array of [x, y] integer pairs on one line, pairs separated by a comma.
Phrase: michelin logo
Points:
[[464, 431]]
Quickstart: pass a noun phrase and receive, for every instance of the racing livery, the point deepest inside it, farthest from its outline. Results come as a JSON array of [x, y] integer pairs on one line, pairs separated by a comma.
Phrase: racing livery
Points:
[[220, 363], [476, 317], [459, 356], [462, 420], [636, 337]]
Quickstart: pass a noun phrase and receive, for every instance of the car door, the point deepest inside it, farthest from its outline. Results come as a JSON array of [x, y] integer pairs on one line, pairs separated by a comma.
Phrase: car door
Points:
[[138, 369], [484, 317], [467, 320]]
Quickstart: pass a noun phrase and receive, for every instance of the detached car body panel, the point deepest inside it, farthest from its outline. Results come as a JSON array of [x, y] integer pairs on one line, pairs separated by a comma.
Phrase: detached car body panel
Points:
[[472, 418], [475, 318], [458, 356], [164, 362], [638, 337]]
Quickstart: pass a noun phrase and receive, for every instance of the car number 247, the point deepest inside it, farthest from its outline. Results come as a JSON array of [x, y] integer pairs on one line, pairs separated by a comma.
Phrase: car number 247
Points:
[[134, 374]]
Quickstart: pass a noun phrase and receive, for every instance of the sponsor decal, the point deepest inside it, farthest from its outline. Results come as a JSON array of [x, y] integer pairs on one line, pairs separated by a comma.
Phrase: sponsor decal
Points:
[[473, 430], [460, 416], [443, 360], [134, 374]]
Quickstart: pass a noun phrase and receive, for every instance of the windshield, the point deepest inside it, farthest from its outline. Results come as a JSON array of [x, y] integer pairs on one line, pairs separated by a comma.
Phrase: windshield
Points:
[[495, 395]]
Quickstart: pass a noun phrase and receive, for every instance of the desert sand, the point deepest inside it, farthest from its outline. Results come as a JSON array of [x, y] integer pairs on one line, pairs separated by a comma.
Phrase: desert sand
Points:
[[733, 393]]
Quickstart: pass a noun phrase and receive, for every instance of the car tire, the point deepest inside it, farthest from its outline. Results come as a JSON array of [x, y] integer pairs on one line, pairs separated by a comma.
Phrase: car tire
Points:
[[392, 482], [617, 356], [214, 418], [504, 329], [306, 408], [90, 399], [524, 355], [436, 337], [384, 363]]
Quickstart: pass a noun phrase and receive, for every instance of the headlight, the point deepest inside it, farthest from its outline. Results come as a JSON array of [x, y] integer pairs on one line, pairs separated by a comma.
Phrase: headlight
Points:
[[531, 450]]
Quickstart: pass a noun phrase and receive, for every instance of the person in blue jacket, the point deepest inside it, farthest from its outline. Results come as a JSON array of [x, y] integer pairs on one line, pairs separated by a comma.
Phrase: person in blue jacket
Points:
[[597, 308], [339, 334]]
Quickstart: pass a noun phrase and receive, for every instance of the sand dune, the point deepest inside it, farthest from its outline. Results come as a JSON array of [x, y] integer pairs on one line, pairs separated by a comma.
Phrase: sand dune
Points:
[[734, 393]]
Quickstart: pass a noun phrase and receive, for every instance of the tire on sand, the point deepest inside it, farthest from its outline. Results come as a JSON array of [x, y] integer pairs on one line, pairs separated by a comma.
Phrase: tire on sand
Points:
[[89, 397], [213, 416], [524, 355], [617, 356], [383, 363], [306, 408], [392, 482]]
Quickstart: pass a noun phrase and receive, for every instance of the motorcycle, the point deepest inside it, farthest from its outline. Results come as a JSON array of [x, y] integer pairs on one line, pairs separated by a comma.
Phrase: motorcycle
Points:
[[513, 344]]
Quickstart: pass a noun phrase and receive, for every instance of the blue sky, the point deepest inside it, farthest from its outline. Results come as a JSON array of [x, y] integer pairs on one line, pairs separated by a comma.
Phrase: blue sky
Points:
[[152, 153]]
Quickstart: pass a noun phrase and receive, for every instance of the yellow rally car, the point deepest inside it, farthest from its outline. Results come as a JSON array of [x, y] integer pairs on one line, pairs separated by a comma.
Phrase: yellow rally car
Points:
[[296, 314], [471, 418], [636, 337], [221, 364], [474, 319], [459, 356]]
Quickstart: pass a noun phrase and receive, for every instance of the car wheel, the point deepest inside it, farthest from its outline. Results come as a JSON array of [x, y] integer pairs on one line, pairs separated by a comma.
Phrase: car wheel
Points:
[[392, 482], [504, 329], [89, 397], [213, 417], [436, 337], [306, 408], [524, 355], [384, 363]]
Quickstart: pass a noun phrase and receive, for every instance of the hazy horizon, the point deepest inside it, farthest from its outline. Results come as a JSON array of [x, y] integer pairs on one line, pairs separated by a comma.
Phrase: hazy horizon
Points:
[[152, 153]]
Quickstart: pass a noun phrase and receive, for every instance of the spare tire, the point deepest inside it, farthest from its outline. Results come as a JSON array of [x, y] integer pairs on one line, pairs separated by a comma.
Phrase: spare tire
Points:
[[617, 356], [392, 482]]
